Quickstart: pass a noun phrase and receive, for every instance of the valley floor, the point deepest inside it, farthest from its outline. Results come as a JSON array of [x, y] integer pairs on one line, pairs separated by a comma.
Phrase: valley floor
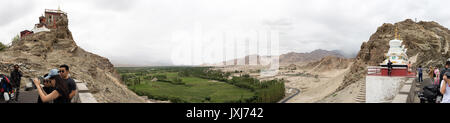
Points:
[[323, 88], [314, 86]]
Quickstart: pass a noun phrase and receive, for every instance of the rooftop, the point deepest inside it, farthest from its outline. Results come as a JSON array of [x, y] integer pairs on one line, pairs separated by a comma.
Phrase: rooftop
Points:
[[54, 11]]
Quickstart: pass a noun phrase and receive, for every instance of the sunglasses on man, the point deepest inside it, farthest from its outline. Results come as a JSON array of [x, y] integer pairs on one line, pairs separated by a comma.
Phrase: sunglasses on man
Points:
[[61, 71]]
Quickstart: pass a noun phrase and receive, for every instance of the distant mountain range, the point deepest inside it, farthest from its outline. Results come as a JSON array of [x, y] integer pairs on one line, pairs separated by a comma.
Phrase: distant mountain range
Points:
[[315, 55], [346, 54], [288, 58]]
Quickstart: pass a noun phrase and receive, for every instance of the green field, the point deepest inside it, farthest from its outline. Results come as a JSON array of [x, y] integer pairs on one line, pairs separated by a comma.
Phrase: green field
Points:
[[188, 85], [195, 90]]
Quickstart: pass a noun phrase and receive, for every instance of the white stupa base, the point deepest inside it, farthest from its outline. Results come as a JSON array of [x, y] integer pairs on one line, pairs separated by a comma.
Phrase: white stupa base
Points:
[[382, 89]]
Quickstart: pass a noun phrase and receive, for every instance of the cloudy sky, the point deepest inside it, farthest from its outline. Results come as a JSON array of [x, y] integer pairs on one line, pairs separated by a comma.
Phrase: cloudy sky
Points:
[[150, 32]]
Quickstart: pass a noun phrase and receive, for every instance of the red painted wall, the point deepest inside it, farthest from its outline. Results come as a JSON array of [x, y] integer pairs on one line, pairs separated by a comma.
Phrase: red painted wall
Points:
[[55, 15], [395, 72]]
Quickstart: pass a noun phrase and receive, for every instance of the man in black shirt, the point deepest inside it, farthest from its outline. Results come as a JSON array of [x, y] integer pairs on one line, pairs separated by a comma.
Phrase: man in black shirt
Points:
[[389, 65], [16, 76], [64, 73]]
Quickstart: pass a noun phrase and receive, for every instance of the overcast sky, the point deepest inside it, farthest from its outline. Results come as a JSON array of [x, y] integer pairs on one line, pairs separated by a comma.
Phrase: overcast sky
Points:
[[145, 32]]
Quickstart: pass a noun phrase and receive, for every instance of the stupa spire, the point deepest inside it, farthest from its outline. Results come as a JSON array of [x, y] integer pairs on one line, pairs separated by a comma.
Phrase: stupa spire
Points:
[[397, 34]]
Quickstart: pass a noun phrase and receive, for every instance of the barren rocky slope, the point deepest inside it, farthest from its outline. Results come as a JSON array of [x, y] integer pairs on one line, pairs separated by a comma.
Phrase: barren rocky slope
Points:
[[315, 55], [38, 53], [427, 44], [329, 63]]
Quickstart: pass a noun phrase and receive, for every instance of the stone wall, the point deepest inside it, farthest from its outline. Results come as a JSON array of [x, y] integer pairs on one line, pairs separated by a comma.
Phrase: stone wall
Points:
[[383, 89], [83, 95], [406, 93]]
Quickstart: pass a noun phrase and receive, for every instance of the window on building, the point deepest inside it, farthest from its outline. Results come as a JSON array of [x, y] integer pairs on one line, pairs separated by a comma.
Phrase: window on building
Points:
[[50, 19]]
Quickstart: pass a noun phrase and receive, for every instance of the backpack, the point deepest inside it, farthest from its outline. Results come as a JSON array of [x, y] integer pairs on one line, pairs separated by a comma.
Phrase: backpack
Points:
[[430, 91], [5, 83]]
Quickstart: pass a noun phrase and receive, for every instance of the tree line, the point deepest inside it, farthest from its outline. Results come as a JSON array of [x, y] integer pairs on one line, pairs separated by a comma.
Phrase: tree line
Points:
[[265, 91]]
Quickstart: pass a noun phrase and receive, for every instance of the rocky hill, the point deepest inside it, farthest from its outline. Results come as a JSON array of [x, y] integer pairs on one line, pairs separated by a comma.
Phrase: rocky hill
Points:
[[315, 55], [427, 44], [329, 63], [39, 52]]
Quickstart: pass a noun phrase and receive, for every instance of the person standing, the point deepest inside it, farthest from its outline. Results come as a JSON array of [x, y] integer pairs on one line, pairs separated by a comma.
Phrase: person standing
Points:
[[431, 73], [419, 72], [64, 73], [389, 65], [409, 67], [16, 76], [47, 85], [443, 71], [60, 94], [437, 74], [445, 88]]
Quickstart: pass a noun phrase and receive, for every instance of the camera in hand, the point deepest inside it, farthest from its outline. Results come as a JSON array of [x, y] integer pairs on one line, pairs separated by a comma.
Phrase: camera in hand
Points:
[[32, 86]]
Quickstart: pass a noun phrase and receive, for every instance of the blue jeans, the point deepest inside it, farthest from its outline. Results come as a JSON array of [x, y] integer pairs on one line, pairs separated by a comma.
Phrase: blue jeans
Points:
[[420, 77]]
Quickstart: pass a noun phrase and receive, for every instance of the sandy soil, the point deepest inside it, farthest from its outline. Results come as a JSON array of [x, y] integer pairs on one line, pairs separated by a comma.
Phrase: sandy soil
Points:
[[347, 95], [315, 89], [320, 89]]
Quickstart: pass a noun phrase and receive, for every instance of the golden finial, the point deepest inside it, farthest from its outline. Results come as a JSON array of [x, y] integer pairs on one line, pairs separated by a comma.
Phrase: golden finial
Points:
[[59, 5]]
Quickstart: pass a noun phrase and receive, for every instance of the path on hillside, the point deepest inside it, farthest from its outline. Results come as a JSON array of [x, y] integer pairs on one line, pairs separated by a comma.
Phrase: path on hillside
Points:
[[284, 100], [419, 87]]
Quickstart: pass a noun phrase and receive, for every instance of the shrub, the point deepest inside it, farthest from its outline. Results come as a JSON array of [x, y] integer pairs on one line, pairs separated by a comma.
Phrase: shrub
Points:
[[15, 39], [177, 81], [161, 77], [208, 98], [176, 100], [2, 46]]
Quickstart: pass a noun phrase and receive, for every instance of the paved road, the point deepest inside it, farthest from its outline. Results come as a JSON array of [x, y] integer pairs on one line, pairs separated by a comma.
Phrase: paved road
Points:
[[24, 97], [297, 91]]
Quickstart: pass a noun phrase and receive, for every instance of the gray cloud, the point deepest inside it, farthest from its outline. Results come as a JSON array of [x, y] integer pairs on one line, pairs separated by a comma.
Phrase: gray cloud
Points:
[[12, 10], [116, 5], [141, 31]]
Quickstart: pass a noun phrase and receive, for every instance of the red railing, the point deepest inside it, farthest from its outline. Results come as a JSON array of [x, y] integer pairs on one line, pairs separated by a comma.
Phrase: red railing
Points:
[[374, 70], [383, 71]]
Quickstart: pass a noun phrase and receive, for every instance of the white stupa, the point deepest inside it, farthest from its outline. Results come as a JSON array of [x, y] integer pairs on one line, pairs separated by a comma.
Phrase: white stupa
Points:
[[397, 52]]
